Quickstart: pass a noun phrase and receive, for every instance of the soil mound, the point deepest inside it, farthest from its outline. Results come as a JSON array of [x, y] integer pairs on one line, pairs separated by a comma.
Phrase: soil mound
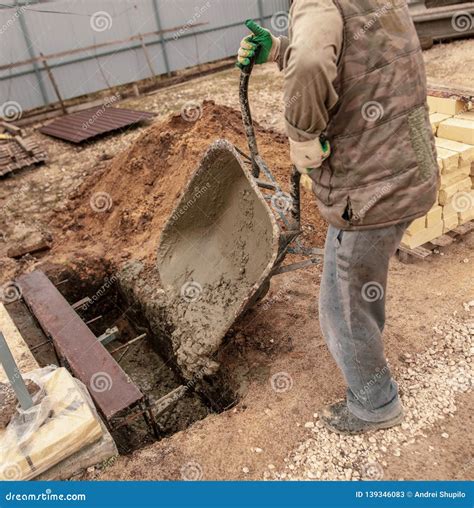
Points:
[[125, 208]]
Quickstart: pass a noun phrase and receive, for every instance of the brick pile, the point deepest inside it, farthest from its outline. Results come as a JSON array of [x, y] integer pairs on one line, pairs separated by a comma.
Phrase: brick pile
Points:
[[453, 126]]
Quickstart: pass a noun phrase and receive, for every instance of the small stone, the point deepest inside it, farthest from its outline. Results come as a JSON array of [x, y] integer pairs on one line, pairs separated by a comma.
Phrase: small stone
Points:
[[245, 470], [271, 466], [309, 425], [258, 450], [445, 435]]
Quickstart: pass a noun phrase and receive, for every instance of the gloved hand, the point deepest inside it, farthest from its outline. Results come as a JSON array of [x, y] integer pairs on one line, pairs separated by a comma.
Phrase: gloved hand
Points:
[[309, 155], [261, 43]]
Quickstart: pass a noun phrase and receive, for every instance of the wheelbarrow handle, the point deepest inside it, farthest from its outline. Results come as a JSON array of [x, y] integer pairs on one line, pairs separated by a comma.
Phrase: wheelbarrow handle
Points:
[[252, 141], [247, 116]]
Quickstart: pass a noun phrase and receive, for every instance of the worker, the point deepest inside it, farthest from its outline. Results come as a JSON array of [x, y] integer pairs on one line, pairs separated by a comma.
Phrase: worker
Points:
[[357, 120]]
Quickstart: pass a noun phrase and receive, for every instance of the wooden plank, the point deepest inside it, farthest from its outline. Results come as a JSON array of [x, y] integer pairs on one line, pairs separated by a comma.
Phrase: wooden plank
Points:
[[110, 387], [463, 229], [442, 241], [406, 255], [24, 358]]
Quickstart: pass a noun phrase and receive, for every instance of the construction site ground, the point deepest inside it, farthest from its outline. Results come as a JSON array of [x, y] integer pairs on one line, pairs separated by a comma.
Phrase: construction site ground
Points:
[[273, 432]]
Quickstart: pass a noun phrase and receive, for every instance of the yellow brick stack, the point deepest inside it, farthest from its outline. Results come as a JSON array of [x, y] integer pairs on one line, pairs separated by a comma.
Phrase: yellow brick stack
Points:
[[453, 126]]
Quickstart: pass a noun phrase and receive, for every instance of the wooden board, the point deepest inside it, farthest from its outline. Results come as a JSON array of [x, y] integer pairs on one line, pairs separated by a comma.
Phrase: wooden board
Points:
[[111, 389], [23, 357]]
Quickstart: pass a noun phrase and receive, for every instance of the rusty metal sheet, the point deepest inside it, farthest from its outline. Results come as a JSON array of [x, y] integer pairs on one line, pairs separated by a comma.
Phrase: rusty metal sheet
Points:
[[19, 153], [110, 387], [87, 124]]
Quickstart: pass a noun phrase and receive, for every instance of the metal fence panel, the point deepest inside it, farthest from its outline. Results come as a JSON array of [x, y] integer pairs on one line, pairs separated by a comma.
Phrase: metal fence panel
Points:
[[211, 30]]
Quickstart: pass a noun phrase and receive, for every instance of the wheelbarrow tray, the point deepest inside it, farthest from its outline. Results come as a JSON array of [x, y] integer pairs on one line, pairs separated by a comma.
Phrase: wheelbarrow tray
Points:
[[215, 256]]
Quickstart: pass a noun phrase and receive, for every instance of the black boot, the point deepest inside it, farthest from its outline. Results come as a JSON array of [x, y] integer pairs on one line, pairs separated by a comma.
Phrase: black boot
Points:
[[337, 418]]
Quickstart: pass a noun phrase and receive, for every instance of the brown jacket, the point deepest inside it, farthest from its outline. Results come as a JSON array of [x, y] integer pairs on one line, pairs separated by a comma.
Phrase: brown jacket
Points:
[[383, 167]]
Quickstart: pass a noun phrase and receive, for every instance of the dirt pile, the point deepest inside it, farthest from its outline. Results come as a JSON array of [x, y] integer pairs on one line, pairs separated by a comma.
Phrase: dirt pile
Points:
[[123, 210]]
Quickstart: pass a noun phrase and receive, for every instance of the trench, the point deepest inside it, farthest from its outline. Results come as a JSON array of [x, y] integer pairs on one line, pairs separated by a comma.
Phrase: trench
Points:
[[148, 361]]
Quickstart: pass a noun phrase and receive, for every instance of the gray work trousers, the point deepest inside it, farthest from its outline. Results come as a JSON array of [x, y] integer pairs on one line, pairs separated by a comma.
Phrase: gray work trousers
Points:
[[352, 316]]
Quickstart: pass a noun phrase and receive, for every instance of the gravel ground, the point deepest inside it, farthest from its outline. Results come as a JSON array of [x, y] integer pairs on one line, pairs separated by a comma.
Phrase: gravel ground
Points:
[[429, 382]]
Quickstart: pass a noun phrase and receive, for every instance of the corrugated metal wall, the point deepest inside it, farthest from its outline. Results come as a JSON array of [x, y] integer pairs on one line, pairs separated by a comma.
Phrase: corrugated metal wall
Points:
[[48, 27]]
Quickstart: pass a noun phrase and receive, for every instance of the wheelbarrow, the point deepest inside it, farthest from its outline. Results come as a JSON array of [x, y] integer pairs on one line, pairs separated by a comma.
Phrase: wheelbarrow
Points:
[[228, 236]]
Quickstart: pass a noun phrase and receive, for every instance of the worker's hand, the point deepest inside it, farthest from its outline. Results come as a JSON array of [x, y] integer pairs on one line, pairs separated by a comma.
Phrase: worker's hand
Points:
[[261, 44], [308, 156]]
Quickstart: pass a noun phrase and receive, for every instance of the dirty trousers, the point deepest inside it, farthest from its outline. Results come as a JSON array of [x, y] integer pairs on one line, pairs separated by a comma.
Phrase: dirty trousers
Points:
[[352, 316]]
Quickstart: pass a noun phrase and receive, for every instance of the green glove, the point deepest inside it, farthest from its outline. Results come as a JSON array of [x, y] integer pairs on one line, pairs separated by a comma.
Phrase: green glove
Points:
[[259, 44]]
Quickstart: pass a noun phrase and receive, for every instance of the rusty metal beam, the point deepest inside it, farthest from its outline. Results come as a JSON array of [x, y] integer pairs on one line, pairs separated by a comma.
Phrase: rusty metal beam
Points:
[[110, 387]]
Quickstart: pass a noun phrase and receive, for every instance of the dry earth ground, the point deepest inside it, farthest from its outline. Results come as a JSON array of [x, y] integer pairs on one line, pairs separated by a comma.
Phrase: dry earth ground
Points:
[[270, 434]]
